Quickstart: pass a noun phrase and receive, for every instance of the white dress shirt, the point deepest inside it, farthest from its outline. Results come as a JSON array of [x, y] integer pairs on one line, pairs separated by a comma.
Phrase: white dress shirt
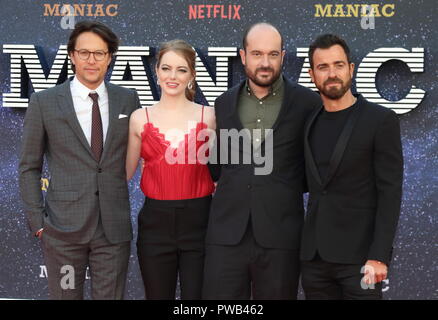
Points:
[[83, 106]]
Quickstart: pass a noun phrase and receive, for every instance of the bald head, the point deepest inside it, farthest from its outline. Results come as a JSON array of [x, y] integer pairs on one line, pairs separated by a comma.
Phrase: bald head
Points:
[[262, 55], [256, 29]]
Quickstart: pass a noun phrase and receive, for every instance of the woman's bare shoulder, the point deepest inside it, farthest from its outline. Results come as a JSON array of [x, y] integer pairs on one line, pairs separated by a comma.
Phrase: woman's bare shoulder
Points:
[[209, 116]]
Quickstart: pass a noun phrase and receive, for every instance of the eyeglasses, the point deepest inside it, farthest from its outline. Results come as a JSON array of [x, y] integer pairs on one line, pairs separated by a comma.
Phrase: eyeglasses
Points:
[[84, 54]]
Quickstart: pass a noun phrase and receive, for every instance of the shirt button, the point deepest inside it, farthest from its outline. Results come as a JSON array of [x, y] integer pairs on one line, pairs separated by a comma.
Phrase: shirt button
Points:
[[257, 140], [261, 102], [249, 186], [96, 193], [273, 94], [258, 120]]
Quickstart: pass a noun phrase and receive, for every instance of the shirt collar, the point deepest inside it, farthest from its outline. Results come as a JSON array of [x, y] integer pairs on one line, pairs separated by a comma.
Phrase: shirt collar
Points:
[[276, 86], [82, 91]]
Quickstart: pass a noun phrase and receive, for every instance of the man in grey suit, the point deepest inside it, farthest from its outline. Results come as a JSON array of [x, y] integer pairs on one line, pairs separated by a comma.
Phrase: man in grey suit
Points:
[[81, 128]]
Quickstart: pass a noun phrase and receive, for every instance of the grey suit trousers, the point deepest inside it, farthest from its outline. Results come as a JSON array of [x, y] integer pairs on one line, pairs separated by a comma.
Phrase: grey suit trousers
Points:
[[67, 263]]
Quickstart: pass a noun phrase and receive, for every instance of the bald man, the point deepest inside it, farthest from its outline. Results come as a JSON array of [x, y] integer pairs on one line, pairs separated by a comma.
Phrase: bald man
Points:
[[255, 220]]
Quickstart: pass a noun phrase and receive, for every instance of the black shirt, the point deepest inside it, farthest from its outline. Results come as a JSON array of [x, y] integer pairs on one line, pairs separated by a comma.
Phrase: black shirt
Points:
[[324, 135]]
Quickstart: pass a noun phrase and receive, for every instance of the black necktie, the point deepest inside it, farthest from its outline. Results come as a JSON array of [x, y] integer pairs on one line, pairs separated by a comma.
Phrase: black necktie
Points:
[[96, 128]]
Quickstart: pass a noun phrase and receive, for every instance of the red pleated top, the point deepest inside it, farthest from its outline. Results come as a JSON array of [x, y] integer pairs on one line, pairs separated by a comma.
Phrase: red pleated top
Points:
[[184, 176]]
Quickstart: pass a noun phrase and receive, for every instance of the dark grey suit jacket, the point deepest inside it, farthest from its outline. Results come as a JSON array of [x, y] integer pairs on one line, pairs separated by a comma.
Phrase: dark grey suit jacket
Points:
[[80, 188]]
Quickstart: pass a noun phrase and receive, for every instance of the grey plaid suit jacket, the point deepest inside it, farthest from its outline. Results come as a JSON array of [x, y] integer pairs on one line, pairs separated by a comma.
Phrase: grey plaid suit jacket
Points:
[[80, 188]]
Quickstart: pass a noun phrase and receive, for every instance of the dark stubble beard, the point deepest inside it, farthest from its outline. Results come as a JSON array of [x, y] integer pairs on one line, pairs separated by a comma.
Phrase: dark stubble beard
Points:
[[253, 76], [334, 93]]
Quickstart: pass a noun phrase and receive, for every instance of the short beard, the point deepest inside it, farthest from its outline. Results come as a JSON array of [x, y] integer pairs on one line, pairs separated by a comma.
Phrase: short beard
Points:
[[252, 76], [335, 93]]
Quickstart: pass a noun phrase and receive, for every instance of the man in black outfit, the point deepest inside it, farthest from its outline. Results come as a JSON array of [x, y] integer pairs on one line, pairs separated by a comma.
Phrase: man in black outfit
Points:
[[255, 220], [354, 169]]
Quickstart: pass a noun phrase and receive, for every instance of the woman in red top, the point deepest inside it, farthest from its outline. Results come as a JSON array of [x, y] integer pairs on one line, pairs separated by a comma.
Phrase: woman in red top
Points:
[[170, 137]]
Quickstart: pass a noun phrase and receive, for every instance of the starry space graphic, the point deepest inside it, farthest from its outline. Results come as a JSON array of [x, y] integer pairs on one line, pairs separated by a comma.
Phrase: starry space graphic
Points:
[[413, 272]]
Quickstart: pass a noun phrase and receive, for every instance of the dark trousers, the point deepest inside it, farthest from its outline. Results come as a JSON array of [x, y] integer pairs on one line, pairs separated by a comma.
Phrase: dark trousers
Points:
[[171, 235], [247, 270], [67, 263], [323, 280]]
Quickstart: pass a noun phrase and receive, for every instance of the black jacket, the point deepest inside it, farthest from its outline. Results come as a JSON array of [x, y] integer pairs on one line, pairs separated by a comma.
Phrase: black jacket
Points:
[[273, 201], [352, 216]]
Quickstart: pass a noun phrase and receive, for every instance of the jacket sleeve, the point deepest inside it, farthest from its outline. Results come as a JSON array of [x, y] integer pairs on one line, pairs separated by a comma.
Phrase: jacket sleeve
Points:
[[388, 170], [30, 165], [214, 164], [313, 104]]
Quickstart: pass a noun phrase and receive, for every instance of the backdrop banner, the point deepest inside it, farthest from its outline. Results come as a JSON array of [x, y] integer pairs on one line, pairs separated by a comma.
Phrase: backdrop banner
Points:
[[394, 47]]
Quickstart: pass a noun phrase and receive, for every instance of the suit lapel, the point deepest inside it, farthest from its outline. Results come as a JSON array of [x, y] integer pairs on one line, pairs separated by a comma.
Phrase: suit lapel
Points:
[[232, 103], [308, 151], [339, 150], [114, 108], [65, 103], [232, 115], [288, 89]]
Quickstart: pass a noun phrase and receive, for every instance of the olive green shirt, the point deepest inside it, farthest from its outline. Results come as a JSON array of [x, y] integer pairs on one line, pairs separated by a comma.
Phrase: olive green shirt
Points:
[[255, 113]]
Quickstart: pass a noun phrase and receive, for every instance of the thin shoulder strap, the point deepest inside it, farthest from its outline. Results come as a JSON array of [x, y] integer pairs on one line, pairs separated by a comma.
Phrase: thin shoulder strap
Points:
[[147, 114], [202, 116]]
